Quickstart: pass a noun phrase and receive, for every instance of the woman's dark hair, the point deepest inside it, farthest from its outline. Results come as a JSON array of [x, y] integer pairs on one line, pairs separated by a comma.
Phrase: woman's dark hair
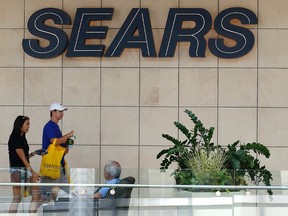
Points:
[[18, 123]]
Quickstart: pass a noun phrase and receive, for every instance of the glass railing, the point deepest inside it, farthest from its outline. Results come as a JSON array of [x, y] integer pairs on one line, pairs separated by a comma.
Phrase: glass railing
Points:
[[153, 193]]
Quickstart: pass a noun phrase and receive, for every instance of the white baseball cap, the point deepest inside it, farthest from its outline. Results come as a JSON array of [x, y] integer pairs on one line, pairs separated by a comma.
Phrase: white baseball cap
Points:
[[57, 106]]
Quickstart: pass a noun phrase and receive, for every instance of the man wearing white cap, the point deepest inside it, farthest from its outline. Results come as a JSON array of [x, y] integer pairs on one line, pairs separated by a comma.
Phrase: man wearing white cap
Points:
[[51, 131]]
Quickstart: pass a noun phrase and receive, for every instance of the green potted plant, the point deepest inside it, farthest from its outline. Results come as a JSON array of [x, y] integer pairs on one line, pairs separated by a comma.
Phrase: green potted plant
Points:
[[201, 162]]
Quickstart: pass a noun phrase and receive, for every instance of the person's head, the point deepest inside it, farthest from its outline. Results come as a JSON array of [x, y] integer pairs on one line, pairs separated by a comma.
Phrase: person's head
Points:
[[21, 126], [57, 111], [112, 170]]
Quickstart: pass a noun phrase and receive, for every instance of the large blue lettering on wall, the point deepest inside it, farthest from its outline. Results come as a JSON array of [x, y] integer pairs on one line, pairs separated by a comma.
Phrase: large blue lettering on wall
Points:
[[244, 38], [82, 31], [57, 38], [139, 20], [136, 32], [174, 32]]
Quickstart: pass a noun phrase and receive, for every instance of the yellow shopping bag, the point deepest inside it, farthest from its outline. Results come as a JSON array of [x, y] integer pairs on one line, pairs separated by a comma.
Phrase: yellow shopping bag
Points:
[[51, 162]]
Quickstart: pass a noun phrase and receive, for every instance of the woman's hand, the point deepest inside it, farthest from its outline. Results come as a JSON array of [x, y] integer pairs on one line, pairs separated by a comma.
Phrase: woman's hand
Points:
[[41, 152], [38, 152], [35, 177]]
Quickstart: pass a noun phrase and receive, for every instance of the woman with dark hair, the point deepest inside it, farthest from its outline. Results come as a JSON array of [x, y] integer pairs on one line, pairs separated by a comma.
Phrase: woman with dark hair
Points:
[[20, 168]]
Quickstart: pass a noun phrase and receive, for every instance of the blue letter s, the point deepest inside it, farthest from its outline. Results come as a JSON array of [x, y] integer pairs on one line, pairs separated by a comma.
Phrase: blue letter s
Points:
[[57, 38]]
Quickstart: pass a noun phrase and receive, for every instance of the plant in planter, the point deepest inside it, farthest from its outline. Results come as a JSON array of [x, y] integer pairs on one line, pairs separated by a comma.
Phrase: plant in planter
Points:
[[201, 162]]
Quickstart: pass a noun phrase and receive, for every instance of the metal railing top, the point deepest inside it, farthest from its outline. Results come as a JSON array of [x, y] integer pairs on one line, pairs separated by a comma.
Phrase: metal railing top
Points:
[[219, 187]]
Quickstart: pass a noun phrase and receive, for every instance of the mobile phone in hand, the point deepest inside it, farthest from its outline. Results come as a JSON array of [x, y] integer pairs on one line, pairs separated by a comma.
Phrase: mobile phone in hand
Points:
[[41, 152]]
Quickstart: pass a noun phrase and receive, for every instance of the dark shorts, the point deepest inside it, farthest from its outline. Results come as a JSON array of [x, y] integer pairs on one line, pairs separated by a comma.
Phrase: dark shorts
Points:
[[46, 190]]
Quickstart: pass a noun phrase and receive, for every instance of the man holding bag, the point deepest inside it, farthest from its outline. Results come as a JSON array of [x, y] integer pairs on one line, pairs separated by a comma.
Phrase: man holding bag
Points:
[[51, 131]]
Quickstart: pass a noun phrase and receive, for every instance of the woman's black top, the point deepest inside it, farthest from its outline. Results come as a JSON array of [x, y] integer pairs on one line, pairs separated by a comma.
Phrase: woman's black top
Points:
[[17, 142]]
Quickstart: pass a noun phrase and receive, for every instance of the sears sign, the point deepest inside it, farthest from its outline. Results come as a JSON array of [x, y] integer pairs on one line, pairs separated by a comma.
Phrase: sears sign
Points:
[[139, 20]]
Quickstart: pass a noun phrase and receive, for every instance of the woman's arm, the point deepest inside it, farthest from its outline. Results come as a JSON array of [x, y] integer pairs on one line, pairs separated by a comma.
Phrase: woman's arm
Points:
[[38, 152], [31, 154], [23, 158]]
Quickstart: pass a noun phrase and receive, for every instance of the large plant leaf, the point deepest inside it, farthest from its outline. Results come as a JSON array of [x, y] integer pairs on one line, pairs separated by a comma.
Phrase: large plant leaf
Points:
[[258, 148]]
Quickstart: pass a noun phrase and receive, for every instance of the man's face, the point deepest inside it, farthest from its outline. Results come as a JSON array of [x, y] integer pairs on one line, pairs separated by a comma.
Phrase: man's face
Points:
[[58, 114]]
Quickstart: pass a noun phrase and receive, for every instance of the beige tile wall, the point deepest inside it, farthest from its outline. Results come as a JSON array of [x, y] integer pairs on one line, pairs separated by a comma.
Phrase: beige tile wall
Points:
[[119, 107]]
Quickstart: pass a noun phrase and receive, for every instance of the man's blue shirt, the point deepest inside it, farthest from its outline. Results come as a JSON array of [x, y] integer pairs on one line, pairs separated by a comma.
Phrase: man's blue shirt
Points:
[[104, 190], [50, 130]]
